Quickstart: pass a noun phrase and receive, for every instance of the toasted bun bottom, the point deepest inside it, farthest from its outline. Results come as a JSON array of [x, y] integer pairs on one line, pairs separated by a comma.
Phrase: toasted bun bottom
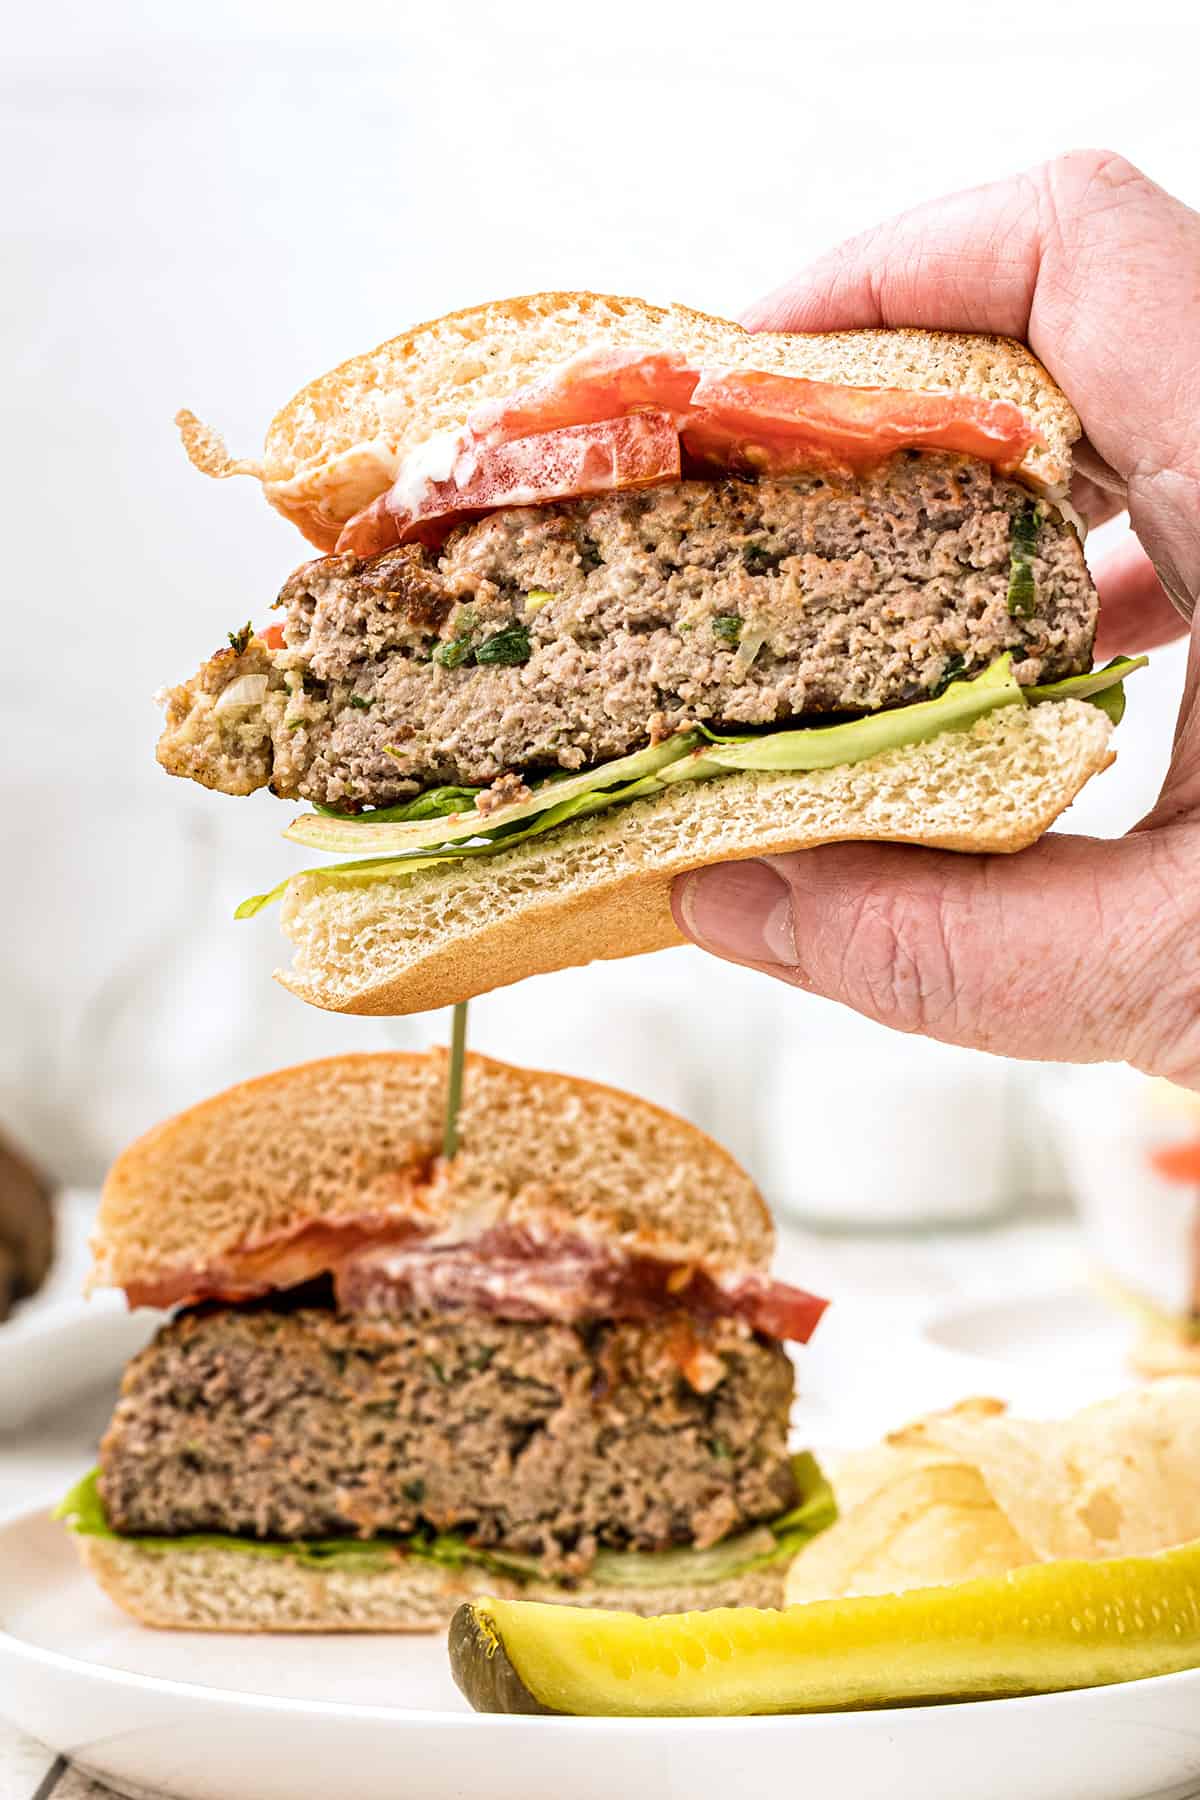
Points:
[[229, 1590], [602, 888]]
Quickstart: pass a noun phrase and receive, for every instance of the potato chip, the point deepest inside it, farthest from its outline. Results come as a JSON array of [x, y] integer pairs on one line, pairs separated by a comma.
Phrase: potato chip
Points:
[[923, 1432], [972, 1492], [926, 1526], [1121, 1478]]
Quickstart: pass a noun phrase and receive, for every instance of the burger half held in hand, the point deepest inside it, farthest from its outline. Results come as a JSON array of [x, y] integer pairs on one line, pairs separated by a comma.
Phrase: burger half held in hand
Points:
[[551, 1366], [609, 592]]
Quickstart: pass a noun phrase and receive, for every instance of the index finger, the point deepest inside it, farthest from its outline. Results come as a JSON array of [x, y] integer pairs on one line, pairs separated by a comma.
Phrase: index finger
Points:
[[1088, 261], [1098, 270], [967, 262]]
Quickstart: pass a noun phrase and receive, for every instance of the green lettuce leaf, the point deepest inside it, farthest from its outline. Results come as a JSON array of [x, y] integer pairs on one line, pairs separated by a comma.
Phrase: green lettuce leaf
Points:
[[406, 840], [377, 868], [434, 803], [393, 830], [1087, 687], [754, 1549], [829, 746], [1102, 687], [83, 1511]]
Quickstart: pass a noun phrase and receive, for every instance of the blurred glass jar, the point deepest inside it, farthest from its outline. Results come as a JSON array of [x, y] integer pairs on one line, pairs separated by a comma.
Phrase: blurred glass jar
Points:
[[1130, 1147], [894, 1134]]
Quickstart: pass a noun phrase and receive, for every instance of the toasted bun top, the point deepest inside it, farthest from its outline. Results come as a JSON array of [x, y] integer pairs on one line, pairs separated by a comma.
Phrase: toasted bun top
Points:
[[337, 445], [359, 1137]]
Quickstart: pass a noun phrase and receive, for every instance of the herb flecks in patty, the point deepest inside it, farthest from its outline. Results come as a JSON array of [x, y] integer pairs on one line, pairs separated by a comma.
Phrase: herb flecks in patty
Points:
[[505, 649], [1023, 547]]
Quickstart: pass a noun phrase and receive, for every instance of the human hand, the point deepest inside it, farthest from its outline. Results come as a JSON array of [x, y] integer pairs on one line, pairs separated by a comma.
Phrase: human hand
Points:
[[1076, 950]]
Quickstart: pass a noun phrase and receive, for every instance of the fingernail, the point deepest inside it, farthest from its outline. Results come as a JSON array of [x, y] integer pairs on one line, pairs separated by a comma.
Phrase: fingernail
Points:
[[741, 910]]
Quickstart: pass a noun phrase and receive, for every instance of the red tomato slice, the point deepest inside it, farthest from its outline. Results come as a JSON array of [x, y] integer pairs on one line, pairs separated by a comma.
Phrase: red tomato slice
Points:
[[370, 532], [1178, 1162], [599, 385], [389, 1266], [272, 637], [245, 1273], [780, 425], [640, 450], [781, 1311], [613, 419]]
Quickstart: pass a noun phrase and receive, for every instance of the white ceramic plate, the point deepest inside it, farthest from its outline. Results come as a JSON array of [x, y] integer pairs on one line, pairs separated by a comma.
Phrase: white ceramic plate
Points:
[[198, 1717]]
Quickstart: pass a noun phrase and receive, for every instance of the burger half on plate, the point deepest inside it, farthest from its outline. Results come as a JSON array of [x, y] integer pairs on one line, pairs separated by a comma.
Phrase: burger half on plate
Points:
[[552, 1366], [608, 592]]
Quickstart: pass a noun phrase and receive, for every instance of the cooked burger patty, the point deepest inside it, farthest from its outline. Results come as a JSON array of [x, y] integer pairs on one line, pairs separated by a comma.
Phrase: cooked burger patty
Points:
[[548, 1440], [564, 635]]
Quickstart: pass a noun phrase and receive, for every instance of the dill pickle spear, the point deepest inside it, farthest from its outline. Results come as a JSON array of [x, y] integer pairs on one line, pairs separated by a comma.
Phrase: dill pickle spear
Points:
[[1036, 1630]]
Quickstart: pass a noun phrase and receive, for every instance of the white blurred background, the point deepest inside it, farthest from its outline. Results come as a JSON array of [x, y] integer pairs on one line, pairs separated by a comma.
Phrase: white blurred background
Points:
[[209, 203]]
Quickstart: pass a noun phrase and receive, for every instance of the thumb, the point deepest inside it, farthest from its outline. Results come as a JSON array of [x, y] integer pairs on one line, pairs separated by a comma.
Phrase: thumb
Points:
[[1036, 955]]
